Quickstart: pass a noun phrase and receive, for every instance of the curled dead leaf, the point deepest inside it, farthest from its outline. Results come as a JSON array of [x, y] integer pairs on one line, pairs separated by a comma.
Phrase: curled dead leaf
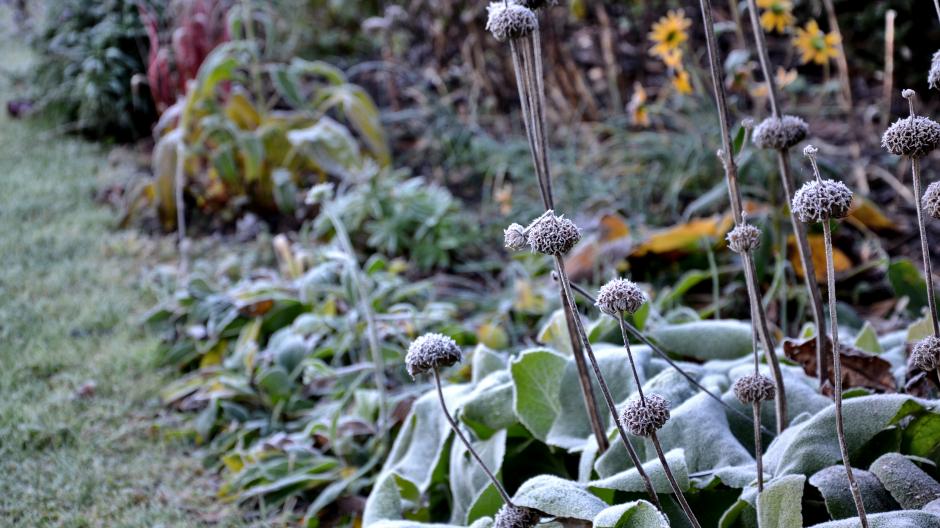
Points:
[[817, 245], [859, 369]]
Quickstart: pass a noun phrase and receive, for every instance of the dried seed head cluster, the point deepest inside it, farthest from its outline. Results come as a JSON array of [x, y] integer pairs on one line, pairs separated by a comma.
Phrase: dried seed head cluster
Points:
[[552, 235], [743, 237], [913, 136], [754, 388], [780, 133], [619, 296], [514, 237], [645, 419], [510, 21], [931, 200], [926, 353], [510, 516], [431, 351], [933, 78], [818, 201]]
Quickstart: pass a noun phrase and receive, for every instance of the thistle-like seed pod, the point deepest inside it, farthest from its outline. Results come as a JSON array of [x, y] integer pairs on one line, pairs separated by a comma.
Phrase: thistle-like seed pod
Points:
[[645, 419], [754, 388], [510, 21], [780, 133], [819, 201], [553, 235], [931, 200], [743, 237], [926, 353], [514, 237], [933, 78], [431, 351], [510, 516], [913, 136], [620, 296]]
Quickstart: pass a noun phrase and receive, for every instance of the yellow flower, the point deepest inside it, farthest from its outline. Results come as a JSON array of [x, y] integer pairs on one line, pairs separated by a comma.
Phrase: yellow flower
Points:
[[639, 114], [814, 45], [785, 77], [777, 15], [681, 82], [673, 58], [669, 33]]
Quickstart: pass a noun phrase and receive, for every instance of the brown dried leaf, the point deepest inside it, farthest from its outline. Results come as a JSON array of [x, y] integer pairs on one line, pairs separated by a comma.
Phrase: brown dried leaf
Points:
[[859, 369]]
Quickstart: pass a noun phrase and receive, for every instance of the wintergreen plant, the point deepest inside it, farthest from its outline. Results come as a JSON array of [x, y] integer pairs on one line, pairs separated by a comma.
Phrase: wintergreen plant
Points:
[[823, 201], [781, 132], [743, 238], [915, 137]]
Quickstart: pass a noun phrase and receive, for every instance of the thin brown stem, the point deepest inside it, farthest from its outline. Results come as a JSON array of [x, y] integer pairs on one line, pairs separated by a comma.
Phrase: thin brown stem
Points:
[[936, 4], [626, 345], [841, 60], [764, 58], [672, 482], [453, 425], [887, 86], [925, 247], [611, 405], [758, 450], [837, 375], [665, 357]]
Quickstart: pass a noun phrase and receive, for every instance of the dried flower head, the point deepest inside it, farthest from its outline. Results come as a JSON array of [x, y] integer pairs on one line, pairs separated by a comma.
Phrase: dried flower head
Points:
[[931, 200], [431, 351], [926, 353], [553, 235], [933, 78], [644, 419], [818, 201], [907, 93], [510, 516], [754, 388], [743, 237], [514, 237], [810, 151], [913, 136], [619, 296], [780, 133], [510, 21]]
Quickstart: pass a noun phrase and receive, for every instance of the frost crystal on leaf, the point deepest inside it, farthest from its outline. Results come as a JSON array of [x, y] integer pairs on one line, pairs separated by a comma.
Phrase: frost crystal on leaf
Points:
[[780, 133], [619, 296], [914, 136], [510, 21], [818, 201], [744, 237], [754, 388], [430, 351], [926, 353], [644, 420], [553, 235]]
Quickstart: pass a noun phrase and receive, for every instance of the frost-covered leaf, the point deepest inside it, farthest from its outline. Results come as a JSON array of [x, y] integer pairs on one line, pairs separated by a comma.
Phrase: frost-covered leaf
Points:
[[558, 497], [630, 480], [867, 340], [637, 514], [780, 504], [705, 339], [469, 482], [833, 485], [489, 406], [485, 362], [910, 486], [897, 519], [809, 446], [537, 378]]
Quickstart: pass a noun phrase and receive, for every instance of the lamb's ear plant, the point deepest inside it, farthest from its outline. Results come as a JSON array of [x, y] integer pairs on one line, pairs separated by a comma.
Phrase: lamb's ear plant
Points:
[[780, 133], [517, 23], [916, 136], [430, 353], [554, 236], [646, 415], [744, 237], [823, 201]]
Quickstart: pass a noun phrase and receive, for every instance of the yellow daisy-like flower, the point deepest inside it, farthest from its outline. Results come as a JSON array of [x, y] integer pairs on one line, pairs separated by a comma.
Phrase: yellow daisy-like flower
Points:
[[682, 82], [669, 32], [814, 45], [777, 15], [639, 114], [673, 58]]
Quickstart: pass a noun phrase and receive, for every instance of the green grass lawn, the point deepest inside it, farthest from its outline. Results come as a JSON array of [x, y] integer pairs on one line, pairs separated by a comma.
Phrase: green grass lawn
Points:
[[69, 302]]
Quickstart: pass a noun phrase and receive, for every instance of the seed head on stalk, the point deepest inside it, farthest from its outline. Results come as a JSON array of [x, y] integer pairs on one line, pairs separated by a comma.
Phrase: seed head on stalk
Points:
[[926, 353]]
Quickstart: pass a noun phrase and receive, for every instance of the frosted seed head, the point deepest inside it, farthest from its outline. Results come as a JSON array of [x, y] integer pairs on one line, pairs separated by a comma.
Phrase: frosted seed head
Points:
[[644, 420], [620, 296], [748, 123], [743, 237], [914, 136], [933, 77], [819, 201], [907, 93], [514, 237], [431, 351], [931, 200], [780, 133], [754, 388], [552, 235], [810, 151], [926, 353], [516, 517], [510, 21]]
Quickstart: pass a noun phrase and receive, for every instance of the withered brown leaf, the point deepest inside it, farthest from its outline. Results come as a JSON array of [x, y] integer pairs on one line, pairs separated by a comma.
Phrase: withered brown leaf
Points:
[[859, 369]]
